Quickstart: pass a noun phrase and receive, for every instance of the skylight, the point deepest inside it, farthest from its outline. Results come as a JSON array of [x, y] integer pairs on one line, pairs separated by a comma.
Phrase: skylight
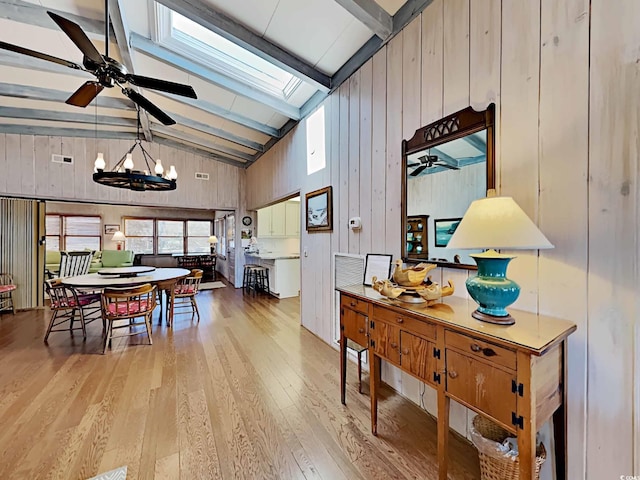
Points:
[[210, 49]]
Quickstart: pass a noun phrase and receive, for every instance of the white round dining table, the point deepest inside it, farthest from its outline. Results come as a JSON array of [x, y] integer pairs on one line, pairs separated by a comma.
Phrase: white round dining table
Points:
[[163, 278]]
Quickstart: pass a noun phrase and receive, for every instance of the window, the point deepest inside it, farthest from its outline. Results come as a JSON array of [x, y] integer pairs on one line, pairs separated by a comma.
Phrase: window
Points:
[[170, 236], [198, 233], [212, 50], [165, 237], [73, 233], [220, 230], [316, 160], [140, 234]]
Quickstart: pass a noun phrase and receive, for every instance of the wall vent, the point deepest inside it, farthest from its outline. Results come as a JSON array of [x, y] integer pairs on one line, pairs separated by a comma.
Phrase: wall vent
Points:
[[62, 159], [202, 176]]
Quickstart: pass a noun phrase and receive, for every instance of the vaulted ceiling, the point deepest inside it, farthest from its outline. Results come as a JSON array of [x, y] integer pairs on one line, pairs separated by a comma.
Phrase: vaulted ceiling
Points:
[[317, 44]]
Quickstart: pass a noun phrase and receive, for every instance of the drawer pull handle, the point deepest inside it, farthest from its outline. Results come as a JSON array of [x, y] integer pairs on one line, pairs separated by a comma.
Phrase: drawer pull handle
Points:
[[453, 374], [353, 304], [475, 347], [361, 330], [394, 345], [400, 320], [405, 351]]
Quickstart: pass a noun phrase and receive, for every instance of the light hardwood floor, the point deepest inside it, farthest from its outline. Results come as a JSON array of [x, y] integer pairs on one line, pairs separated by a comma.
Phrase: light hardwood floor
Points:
[[246, 393]]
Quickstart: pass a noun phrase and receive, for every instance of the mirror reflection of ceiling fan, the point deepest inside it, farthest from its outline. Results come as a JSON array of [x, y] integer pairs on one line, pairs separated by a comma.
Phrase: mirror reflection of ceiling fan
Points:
[[429, 161], [108, 72]]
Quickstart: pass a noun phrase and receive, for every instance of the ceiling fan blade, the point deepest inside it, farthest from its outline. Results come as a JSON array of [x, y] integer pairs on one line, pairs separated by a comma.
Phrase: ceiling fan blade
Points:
[[77, 36], [148, 106], [418, 170], [85, 94], [162, 85], [41, 56]]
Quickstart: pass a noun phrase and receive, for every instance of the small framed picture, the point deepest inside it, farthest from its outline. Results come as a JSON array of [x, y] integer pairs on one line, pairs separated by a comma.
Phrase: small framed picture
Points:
[[444, 228], [377, 265], [319, 205], [111, 229]]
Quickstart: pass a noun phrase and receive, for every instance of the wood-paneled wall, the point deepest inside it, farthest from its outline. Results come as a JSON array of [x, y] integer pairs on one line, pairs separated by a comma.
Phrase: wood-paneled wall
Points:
[[27, 171], [565, 77]]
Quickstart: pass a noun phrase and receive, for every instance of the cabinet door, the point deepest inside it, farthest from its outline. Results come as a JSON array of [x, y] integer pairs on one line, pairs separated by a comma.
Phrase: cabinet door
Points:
[[292, 222], [355, 326], [264, 222], [278, 220], [481, 385], [417, 356], [385, 341]]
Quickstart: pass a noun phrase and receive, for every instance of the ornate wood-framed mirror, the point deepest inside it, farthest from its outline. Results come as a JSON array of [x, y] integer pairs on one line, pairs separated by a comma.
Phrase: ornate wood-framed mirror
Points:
[[446, 165]]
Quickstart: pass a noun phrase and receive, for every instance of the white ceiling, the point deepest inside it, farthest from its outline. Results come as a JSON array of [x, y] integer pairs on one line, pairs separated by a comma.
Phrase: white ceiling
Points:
[[229, 120]]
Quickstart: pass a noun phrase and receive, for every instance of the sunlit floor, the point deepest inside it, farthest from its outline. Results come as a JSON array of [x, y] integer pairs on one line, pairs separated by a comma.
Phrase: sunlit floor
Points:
[[244, 393]]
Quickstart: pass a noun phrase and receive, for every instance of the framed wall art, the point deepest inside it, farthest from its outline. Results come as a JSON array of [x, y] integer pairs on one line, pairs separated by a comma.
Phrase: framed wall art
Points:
[[319, 215], [444, 229]]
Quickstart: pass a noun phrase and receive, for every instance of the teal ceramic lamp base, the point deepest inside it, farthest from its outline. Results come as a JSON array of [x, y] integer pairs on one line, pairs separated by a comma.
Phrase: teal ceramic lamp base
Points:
[[491, 289]]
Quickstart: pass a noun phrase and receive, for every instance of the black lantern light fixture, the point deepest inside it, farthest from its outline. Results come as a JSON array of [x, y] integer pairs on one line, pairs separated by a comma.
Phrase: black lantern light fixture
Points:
[[123, 174]]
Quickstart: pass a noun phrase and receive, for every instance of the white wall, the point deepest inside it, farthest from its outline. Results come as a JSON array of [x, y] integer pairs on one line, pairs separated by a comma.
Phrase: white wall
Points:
[[565, 77], [26, 170]]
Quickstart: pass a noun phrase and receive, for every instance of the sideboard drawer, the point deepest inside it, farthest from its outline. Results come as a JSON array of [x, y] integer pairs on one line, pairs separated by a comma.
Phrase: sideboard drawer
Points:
[[354, 303], [481, 385], [355, 326], [481, 349], [405, 322]]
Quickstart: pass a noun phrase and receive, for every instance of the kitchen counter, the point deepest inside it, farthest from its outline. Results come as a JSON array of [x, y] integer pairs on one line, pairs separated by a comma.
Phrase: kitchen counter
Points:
[[273, 256], [284, 272]]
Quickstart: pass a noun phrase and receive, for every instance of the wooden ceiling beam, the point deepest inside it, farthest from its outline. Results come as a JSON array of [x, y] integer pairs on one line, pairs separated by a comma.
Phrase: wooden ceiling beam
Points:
[[372, 15], [51, 95], [203, 142], [33, 14], [70, 117], [201, 13]]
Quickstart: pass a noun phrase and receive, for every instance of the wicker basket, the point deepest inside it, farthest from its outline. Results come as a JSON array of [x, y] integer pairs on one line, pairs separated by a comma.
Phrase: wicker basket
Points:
[[492, 468]]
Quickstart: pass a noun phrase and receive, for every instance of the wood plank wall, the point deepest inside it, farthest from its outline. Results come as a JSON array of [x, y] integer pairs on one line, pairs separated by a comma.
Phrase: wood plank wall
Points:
[[565, 76], [27, 171]]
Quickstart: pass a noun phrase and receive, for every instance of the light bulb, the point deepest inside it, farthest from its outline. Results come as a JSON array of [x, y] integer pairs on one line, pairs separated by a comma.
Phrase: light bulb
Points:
[[100, 163], [159, 169], [128, 163], [173, 175]]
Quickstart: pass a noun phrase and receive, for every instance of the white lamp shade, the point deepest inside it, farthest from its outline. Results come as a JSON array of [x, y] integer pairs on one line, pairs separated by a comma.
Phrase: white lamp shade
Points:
[[159, 169], [497, 222], [128, 163], [100, 163], [172, 175], [213, 239], [118, 237]]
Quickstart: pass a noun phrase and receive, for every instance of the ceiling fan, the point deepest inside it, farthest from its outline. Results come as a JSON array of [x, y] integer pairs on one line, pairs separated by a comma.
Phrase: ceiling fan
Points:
[[428, 161], [108, 72]]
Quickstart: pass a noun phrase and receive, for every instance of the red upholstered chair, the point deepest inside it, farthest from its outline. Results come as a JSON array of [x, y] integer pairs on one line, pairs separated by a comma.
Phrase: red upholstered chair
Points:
[[6, 292], [185, 293], [128, 304], [67, 304]]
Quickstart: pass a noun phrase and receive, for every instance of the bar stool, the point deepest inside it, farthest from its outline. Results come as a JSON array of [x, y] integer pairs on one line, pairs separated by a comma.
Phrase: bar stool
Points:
[[248, 275], [261, 279]]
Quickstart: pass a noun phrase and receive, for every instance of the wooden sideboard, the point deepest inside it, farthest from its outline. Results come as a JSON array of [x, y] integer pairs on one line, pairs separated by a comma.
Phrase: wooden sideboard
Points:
[[513, 375]]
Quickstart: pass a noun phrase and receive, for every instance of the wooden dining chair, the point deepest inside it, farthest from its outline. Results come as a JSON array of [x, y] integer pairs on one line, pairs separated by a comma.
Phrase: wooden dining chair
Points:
[[68, 305], [6, 292], [74, 263], [128, 304], [184, 294]]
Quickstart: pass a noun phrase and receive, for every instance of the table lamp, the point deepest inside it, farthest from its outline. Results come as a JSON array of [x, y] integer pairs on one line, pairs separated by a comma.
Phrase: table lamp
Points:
[[494, 223], [119, 238], [213, 240]]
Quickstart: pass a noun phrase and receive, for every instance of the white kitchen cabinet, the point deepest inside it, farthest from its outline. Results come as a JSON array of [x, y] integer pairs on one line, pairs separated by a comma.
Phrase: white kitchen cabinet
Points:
[[292, 219], [279, 220]]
